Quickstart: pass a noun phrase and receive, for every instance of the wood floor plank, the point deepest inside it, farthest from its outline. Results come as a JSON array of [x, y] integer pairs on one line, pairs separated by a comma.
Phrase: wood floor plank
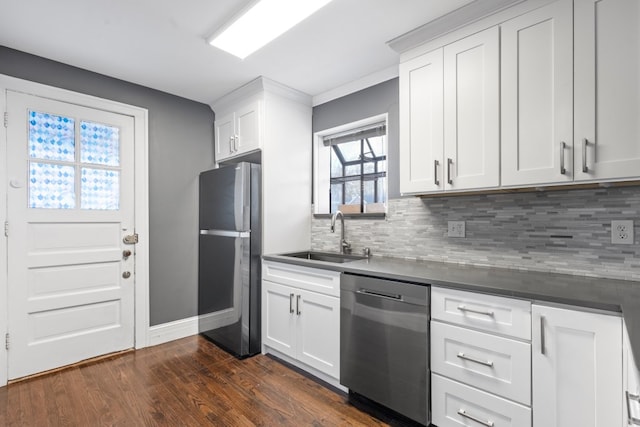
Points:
[[188, 382]]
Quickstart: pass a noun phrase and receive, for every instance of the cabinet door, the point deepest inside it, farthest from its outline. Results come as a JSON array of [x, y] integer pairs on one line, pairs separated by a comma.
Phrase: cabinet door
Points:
[[421, 124], [537, 103], [248, 130], [225, 131], [607, 82], [631, 383], [471, 112], [318, 331], [577, 368], [278, 317]]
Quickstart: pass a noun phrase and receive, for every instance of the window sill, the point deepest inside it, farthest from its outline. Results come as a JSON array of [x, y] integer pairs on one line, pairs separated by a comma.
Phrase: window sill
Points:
[[372, 215]]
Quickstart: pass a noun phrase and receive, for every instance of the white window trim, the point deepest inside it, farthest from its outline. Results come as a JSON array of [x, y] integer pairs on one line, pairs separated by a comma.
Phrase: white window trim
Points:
[[321, 159], [141, 204]]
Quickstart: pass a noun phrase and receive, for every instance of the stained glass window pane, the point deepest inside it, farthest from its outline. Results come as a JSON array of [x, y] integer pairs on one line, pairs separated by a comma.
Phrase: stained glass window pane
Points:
[[51, 186], [100, 144], [51, 137], [100, 189]]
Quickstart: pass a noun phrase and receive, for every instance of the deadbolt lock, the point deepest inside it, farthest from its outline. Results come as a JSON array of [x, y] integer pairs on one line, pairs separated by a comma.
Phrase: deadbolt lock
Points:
[[126, 254], [131, 239], [126, 274]]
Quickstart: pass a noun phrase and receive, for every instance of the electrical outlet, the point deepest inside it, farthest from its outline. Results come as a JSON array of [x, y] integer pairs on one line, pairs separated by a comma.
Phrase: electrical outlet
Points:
[[455, 229], [622, 232]]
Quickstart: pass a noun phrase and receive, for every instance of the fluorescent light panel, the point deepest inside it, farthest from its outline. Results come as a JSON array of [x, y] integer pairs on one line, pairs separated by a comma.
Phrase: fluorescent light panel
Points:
[[263, 22]]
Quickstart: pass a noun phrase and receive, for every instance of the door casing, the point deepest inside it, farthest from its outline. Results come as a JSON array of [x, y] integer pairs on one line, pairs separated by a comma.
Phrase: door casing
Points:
[[141, 203]]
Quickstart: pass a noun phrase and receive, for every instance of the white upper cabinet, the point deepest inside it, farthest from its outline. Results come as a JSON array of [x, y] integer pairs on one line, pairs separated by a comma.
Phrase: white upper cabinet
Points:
[[537, 116], [449, 125], [472, 112], [607, 89], [239, 131], [421, 124]]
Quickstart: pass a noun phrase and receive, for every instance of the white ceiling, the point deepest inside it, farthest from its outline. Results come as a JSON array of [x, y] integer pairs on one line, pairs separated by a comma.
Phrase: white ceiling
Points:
[[161, 43]]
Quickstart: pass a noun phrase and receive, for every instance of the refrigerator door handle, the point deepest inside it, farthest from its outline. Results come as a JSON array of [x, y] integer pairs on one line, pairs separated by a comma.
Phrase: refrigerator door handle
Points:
[[225, 233]]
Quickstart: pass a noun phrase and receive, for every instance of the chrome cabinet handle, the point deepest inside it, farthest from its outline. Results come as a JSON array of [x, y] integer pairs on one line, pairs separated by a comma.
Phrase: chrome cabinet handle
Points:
[[543, 349], [291, 303], [435, 172], [449, 162], [563, 146], [463, 356], [235, 143], [298, 312], [585, 169], [632, 420], [231, 144], [476, 419], [471, 310]]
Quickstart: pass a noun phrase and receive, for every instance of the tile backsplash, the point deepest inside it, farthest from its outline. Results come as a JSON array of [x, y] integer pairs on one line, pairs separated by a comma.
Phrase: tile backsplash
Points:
[[565, 231]]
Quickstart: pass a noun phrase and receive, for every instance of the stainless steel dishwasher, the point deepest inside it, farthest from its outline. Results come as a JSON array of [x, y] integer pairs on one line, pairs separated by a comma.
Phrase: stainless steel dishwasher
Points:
[[384, 342]]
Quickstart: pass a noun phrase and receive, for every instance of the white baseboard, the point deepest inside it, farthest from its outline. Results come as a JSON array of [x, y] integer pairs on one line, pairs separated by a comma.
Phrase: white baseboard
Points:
[[170, 331]]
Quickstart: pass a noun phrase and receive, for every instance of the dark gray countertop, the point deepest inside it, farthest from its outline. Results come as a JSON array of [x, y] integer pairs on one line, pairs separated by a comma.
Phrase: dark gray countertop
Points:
[[603, 294]]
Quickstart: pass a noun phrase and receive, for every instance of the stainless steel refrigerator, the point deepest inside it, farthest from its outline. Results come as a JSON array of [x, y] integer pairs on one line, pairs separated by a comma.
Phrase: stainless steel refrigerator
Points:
[[229, 258]]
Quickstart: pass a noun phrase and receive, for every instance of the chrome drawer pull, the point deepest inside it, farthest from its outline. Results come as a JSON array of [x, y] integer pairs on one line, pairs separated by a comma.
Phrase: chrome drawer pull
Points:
[[476, 419], [632, 420], [291, 303], [449, 163], [563, 146], [543, 347], [488, 363], [585, 168], [485, 313], [435, 172]]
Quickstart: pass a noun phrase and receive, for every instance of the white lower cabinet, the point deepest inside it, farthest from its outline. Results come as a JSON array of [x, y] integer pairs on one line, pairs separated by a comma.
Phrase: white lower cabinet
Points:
[[577, 368], [302, 324], [456, 404], [631, 384]]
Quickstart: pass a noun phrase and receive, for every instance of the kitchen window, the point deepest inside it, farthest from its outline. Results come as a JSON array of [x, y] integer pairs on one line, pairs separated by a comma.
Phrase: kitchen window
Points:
[[351, 168]]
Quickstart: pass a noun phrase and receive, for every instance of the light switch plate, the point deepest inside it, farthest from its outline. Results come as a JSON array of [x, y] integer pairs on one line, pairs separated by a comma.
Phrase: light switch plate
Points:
[[455, 229], [622, 232]]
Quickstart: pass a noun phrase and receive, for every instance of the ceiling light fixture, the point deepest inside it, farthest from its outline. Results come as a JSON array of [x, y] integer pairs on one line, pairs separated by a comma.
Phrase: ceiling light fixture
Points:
[[260, 22]]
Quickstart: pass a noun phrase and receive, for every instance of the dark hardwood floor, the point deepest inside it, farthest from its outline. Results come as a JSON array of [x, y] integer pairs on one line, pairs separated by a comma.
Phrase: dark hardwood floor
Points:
[[188, 382]]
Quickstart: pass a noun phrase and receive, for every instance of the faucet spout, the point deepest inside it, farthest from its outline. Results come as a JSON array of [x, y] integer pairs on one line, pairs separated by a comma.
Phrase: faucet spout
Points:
[[344, 245]]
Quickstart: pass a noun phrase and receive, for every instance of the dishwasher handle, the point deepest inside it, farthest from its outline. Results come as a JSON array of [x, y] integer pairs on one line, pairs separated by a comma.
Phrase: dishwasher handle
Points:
[[378, 294]]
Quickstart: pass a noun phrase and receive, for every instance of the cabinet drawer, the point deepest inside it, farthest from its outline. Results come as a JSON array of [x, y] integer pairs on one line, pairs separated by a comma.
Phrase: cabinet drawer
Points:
[[489, 362], [311, 279], [455, 404], [506, 316]]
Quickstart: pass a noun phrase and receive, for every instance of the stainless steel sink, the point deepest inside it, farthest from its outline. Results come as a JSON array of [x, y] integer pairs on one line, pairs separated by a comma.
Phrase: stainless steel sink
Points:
[[325, 256]]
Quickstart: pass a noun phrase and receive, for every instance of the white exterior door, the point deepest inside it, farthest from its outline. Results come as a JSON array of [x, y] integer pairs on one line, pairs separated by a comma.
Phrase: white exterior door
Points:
[[70, 203]]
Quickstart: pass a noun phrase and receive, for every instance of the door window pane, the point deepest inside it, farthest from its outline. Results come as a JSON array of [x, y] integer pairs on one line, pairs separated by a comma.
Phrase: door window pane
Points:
[[51, 186], [100, 189], [100, 144], [51, 137]]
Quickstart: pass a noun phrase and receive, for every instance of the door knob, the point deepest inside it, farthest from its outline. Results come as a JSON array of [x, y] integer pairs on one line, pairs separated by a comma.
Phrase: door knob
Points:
[[126, 254], [126, 274]]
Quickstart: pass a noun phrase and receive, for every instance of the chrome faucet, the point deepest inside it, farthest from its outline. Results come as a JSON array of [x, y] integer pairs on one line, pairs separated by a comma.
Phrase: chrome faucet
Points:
[[345, 247]]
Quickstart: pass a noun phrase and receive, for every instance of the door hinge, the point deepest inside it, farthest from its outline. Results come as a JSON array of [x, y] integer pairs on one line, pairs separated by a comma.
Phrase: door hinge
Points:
[[6, 119], [6, 341], [6, 229]]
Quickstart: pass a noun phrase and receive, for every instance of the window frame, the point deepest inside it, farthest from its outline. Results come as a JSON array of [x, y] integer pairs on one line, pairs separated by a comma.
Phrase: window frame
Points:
[[322, 164]]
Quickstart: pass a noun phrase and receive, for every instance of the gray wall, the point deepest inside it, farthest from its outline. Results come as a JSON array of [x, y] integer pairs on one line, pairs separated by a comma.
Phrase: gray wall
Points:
[[379, 99], [180, 147], [562, 231]]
